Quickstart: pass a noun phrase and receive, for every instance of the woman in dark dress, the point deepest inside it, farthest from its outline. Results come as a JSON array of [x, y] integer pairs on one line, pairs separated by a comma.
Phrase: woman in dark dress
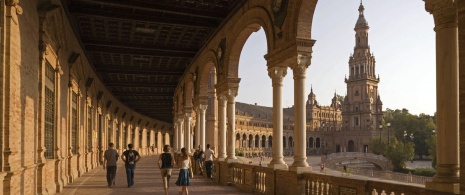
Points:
[[167, 163], [184, 164]]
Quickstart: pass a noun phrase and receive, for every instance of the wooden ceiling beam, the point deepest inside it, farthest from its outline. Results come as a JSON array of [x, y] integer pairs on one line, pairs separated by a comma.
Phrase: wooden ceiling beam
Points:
[[156, 6], [130, 70], [149, 85], [136, 17], [133, 51], [149, 47], [121, 94]]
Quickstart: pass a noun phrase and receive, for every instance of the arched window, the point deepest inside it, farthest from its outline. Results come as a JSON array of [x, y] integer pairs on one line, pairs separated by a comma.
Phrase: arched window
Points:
[[310, 141], [318, 144]]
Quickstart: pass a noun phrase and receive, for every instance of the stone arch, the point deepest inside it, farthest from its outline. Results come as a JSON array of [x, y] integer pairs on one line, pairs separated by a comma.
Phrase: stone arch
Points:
[[189, 93], [350, 146], [284, 142], [257, 141], [291, 142], [206, 65], [263, 141], [310, 140], [317, 142], [299, 19], [250, 21], [270, 141]]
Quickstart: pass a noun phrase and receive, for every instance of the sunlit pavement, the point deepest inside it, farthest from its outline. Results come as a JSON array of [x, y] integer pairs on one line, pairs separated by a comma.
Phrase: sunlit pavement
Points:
[[147, 180]]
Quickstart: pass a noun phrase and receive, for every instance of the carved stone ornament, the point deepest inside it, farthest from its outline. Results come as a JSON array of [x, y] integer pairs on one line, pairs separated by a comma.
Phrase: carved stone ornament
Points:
[[15, 4], [277, 74], [444, 13], [303, 62]]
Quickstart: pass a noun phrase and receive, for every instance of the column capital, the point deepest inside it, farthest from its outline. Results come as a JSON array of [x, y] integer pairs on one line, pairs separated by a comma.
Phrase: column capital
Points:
[[203, 107], [277, 74], [188, 114], [231, 95], [444, 13], [303, 62]]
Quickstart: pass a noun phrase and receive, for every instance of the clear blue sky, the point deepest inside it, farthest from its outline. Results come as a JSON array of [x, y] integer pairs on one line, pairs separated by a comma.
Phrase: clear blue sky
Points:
[[401, 37]]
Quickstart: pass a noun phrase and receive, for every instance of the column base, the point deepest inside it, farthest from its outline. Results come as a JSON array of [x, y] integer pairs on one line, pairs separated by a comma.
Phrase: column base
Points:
[[278, 166], [221, 159], [453, 188], [231, 160], [300, 170]]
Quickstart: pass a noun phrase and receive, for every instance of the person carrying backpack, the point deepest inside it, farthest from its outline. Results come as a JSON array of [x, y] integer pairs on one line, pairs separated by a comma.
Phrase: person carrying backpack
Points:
[[199, 158], [130, 158]]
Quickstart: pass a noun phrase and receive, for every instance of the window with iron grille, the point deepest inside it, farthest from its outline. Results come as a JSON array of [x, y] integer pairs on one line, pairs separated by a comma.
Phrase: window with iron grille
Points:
[[74, 122], [117, 135], [89, 129], [110, 133], [49, 111]]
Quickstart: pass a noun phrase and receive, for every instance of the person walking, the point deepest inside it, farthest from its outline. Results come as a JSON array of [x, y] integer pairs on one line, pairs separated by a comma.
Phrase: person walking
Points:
[[130, 158], [184, 164], [209, 156], [109, 163], [199, 158], [167, 163]]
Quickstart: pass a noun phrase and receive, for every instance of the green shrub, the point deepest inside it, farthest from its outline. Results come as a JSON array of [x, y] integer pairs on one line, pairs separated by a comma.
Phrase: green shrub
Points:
[[427, 172]]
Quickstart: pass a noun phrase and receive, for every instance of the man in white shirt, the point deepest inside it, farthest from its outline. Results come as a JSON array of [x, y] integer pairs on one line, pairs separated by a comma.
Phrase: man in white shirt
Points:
[[209, 156]]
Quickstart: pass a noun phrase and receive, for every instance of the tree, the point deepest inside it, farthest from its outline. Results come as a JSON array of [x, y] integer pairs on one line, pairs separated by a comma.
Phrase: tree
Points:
[[410, 127], [432, 150], [377, 147], [398, 152]]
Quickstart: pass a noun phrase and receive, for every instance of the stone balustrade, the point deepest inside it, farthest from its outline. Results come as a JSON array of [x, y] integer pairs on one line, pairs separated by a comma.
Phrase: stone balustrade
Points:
[[263, 180]]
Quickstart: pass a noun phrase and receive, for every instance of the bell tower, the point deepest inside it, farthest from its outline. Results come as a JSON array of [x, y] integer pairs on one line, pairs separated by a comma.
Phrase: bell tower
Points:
[[362, 109]]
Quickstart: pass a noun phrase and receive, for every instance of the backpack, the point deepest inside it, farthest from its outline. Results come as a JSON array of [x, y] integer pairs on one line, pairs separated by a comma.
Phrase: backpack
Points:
[[131, 157]]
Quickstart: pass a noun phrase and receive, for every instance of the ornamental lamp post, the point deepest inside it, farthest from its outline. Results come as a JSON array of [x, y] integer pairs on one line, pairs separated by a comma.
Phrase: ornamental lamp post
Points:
[[388, 128]]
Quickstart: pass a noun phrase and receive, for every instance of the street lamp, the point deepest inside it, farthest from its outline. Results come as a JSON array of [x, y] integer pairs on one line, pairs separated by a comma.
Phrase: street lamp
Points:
[[388, 127]]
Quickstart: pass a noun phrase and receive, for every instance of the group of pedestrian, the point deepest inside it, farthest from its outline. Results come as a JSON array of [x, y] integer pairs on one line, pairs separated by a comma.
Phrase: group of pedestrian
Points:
[[166, 163], [130, 158]]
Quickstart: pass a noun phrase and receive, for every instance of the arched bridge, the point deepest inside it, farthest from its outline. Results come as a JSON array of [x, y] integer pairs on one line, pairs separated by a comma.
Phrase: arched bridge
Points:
[[379, 160]]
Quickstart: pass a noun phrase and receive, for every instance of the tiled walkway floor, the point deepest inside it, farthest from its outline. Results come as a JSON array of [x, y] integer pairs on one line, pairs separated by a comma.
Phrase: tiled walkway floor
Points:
[[147, 180]]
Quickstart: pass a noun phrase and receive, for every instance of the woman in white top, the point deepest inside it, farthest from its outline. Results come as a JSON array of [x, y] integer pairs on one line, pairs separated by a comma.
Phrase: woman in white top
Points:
[[184, 163]]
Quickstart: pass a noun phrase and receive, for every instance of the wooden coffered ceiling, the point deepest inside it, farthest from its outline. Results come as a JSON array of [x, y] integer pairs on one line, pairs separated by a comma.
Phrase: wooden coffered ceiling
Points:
[[141, 48]]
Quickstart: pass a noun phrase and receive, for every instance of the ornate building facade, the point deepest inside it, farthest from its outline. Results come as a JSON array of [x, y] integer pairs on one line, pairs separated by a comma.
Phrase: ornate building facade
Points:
[[346, 126]]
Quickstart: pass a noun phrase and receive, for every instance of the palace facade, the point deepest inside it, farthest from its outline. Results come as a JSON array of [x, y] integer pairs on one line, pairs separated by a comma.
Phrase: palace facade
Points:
[[346, 126]]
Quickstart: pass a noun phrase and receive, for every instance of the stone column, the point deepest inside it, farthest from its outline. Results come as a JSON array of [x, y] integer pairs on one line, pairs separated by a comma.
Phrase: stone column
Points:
[[232, 93], [222, 101], [197, 127], [187, 132], [144, 141], [202, 109], [175, 135], [447, 177], [300, 158], [152, 141], [180, 133], [277, 74], [135, 139]]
